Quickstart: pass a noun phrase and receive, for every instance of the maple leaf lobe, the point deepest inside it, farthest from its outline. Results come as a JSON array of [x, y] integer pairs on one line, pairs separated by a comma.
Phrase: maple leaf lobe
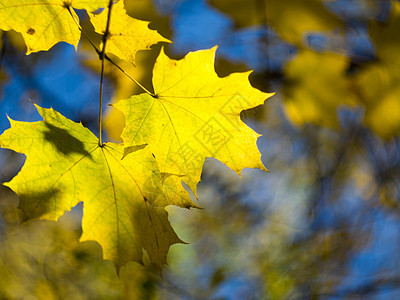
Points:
[[65, 165], [195, 115]]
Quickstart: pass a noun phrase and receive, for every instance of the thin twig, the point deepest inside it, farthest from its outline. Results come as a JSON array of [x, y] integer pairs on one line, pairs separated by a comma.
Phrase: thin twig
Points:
[[84, 33], [107, 57], [134, 80], [102, 57], [3, 47]]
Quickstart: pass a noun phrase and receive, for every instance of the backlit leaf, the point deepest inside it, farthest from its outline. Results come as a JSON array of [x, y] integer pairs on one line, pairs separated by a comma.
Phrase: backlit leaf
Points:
[[123, 200], [43, 23], [195, 115], [126, 34]]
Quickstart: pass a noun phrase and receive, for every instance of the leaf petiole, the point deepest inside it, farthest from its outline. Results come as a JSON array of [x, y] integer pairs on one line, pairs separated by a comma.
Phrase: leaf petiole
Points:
[[107, 57]]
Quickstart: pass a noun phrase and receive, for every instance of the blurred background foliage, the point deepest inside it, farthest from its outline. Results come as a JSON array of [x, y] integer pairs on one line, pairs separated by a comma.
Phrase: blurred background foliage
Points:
[[324, 224]]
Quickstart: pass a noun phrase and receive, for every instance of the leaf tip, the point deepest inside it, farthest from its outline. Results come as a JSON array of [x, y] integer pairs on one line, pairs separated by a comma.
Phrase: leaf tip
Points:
[[269, 95], [28, 49], [162, 51], [9, 118], [265, 169]]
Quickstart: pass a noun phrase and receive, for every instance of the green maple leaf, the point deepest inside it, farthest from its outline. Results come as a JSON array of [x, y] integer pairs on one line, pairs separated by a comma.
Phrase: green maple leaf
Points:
[[126, 34], [43, 23], [195, 114], [123, 200]]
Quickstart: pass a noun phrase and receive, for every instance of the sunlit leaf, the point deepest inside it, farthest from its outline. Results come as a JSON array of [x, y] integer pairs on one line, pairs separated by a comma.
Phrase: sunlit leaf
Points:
[[123, 199], [43, 23], [195, 115], [126, 34]]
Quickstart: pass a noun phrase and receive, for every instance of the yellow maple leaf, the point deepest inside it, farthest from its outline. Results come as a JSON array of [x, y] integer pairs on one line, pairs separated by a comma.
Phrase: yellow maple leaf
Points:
[[126, 34], [195, 114], [114, 120], [123, 200], [43, 23]]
